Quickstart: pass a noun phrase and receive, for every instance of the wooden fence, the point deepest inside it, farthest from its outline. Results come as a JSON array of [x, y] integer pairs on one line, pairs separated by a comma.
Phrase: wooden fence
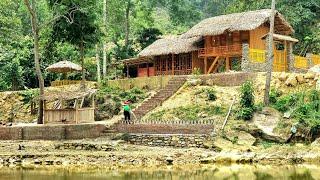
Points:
[[64, 82], [182, 122], [68, 116], [280, 63]]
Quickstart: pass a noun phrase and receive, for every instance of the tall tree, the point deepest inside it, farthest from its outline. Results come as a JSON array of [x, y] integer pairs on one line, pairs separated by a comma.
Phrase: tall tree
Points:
[[128, 7], [98, 63], [77, 27], [270, 54], [35, 30], [104, 50]]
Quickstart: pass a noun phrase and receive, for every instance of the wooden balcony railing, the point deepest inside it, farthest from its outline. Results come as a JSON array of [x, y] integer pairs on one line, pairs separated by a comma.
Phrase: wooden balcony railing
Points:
[[234, 49]]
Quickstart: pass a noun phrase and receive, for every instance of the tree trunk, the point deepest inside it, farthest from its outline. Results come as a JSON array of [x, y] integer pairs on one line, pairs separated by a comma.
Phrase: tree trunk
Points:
[[270, 55], [127, 23], [98, 63], [104, 63], [83, 81], [35, 31]]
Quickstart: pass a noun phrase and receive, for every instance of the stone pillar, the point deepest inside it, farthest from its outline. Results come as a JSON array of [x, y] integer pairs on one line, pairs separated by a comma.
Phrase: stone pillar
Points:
[[245, 58], [290, 57], [310, 62]]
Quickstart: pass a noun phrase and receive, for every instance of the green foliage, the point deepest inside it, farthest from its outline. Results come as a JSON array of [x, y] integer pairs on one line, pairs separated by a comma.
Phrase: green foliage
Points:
[[196, 71], [247, 95], [245, 113], [29, 95], [247, 106], [211, 94], [274, 95], [190, 112]]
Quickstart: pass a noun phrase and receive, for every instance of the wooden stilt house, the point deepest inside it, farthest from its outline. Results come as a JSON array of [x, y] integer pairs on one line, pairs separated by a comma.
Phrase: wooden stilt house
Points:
[[218, 42]]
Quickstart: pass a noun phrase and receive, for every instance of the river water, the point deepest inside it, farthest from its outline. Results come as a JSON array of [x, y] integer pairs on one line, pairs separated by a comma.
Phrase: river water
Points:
[[206, 172]]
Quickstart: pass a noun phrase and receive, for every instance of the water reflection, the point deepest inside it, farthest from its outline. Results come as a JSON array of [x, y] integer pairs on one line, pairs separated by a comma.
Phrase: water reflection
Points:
[[233, 172]]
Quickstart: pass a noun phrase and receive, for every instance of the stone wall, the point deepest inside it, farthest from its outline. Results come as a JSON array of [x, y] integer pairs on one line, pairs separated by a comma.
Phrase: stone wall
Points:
[[165, 128], [247, 65], [227, 79], [173, 140], [52, 132]]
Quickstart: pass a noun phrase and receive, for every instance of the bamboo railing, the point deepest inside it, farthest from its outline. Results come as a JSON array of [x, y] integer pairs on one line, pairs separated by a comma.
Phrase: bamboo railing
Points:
[[64, 82]]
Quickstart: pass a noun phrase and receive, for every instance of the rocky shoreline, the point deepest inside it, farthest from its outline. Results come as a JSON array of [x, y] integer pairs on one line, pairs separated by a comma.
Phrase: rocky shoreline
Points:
[[115, 154]]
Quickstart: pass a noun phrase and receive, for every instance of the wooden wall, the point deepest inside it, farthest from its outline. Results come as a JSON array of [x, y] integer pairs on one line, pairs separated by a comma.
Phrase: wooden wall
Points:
[[143, 72], [255, 37], [197, 62]]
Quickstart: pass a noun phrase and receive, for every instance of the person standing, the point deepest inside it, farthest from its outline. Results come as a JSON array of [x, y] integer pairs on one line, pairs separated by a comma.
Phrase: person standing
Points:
[[126, 112]]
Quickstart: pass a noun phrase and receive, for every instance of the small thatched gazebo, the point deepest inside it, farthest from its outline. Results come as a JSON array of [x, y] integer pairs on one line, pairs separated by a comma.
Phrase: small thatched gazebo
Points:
[[64, 67], [69, 107]]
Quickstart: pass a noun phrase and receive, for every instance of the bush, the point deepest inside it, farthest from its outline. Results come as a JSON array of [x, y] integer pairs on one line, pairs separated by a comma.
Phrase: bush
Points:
[[245, 113], [196, 71], [274, 95], [247, 95], [247, 106], [211, 93]]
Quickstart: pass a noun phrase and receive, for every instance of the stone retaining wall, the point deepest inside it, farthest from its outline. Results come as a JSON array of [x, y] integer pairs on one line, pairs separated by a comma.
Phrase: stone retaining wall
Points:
[[52, 132], [165, 128], [173, 140], [227, 79]]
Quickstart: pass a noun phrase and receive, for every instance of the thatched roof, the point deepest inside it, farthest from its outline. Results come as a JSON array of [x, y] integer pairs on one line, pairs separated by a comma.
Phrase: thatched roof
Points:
[[137, 60], [63, 67], [282, 37], [67, 95], [171, 46], [238, 22]]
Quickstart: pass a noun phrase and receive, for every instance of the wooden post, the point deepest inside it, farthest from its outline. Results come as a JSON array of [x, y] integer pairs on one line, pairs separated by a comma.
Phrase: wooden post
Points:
[[205, 65], [172, 64], [167, 62], [128, 70], [270, 55], [227, 63], [148, 69]]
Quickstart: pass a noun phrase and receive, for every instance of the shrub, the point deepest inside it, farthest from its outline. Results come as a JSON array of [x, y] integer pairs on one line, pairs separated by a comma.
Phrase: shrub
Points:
[[247, 107], [247, 95], [245, 113], [211, 93], [274, 95], [196, 71]]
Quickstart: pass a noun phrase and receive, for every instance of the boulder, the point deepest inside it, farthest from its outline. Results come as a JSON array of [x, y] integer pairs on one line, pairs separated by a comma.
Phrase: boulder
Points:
[[300, 79], [283, 76], [194, 82], [310, 75], [291, 81], [316, 143], [209, 82], [241, 138]]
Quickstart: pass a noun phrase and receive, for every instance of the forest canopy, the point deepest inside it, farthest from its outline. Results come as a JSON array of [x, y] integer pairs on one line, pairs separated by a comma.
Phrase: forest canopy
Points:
[[122, 28]]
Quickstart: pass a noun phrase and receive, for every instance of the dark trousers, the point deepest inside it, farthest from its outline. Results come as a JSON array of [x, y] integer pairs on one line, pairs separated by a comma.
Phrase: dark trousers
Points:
[[126, 116]]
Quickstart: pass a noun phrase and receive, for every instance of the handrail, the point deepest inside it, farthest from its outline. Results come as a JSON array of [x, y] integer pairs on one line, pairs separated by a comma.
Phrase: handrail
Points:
[[221, 50], [64, 82]]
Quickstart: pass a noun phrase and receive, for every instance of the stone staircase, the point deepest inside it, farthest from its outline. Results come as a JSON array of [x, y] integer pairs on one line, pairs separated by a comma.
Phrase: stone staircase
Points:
[[157, 99]]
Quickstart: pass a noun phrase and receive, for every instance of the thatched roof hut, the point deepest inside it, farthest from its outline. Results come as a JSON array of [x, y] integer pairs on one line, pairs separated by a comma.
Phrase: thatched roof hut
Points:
[[175, 45], [63, 67], [238, 22]]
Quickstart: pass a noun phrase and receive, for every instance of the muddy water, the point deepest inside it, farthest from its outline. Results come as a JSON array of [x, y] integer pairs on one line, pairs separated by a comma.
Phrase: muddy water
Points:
[[245, 172]]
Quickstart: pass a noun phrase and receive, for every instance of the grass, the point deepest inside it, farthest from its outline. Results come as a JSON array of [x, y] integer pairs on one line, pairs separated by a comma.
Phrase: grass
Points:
[[190, 112]]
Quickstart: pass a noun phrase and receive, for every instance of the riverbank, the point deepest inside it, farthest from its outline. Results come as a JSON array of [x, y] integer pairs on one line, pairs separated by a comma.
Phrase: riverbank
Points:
[[105, 152]]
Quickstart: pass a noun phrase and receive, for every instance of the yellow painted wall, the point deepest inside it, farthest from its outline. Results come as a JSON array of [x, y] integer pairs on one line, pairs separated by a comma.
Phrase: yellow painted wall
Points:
[[255, 37]]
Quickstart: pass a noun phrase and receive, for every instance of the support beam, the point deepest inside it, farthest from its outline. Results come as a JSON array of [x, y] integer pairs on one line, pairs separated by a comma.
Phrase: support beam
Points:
[[147, 69], [212, 65], [228, 63], [172, 63], [205, 65], [128, 71]]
